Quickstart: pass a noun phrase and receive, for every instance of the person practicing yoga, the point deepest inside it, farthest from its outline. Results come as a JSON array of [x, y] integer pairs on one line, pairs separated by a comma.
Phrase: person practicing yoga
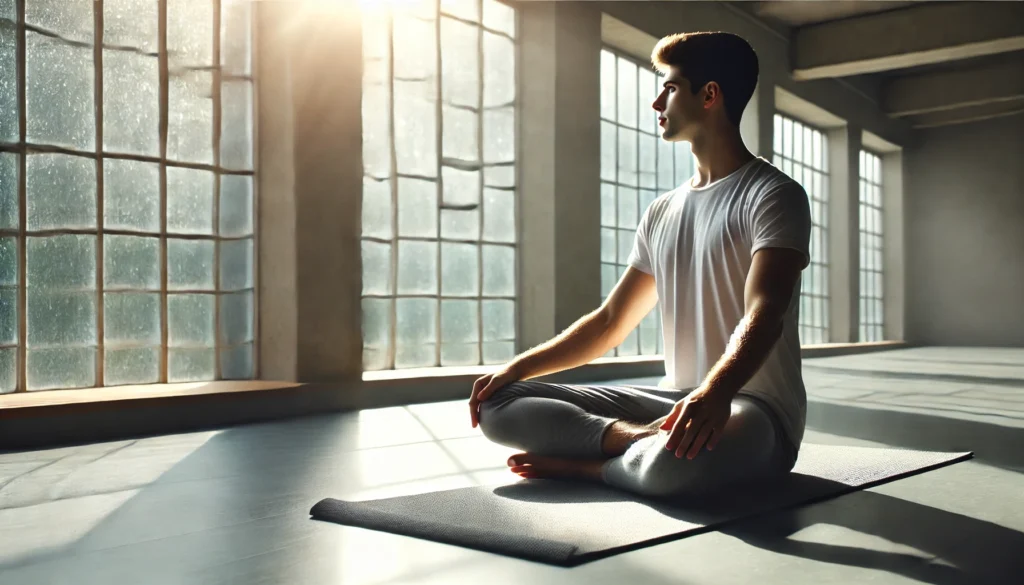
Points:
[[722, 257]]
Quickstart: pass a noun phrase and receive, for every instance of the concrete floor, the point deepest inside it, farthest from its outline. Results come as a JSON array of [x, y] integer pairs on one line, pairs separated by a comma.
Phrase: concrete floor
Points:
[[231, 506]]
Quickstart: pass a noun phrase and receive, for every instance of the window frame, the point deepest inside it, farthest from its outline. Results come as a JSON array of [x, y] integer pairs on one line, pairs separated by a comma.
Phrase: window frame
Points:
[[873, 329]]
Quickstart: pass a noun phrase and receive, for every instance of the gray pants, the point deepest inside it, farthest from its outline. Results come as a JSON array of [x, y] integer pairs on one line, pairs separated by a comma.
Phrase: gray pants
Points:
[[570, 421]]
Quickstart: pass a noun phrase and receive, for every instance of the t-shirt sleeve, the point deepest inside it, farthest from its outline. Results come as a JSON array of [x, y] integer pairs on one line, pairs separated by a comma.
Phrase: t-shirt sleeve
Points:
[[640, 255], [781, 218]]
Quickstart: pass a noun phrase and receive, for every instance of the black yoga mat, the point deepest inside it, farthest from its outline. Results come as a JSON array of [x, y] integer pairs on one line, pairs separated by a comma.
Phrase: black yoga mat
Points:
[[569, 523]]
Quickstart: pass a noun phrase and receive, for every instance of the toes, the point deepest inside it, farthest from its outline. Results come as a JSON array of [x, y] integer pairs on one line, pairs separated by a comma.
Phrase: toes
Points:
[[519, 459]]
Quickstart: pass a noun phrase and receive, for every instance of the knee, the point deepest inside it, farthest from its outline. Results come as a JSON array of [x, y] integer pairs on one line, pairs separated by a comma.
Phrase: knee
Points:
[[664, 475], [496, 421]]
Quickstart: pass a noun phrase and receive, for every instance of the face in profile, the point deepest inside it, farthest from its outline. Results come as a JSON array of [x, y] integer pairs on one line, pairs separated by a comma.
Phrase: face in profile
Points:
[[680, 110]]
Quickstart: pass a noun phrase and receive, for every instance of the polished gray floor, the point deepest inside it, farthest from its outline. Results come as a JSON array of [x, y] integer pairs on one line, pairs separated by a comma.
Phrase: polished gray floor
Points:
[[230, 506]]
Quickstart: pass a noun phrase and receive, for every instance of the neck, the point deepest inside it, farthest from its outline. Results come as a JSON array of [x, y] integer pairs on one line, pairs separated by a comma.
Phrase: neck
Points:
[[719, 152]]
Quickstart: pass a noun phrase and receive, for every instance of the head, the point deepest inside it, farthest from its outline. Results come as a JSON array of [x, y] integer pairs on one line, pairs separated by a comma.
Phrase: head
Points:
[[709, 79]]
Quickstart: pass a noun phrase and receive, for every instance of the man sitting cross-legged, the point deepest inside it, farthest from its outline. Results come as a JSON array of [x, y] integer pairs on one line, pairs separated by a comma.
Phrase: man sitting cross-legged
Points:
[[722, 257]]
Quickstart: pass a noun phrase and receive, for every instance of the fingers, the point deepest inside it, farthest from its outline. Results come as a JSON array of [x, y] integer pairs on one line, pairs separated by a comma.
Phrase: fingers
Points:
[[670, 420], [702, 438], [474, 400], [680, 427]]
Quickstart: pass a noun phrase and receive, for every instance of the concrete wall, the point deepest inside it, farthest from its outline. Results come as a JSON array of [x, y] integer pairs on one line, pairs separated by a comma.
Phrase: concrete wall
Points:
[[965, 234]]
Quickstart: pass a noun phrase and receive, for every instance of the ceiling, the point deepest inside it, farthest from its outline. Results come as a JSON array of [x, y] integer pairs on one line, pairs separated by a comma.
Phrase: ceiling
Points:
[[936, 63]]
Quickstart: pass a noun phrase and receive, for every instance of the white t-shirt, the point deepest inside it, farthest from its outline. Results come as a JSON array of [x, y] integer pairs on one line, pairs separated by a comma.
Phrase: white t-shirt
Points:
[[698, 244]]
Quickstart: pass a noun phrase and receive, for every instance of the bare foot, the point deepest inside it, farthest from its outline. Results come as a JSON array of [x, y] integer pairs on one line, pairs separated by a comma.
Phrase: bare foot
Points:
[[528, 465]]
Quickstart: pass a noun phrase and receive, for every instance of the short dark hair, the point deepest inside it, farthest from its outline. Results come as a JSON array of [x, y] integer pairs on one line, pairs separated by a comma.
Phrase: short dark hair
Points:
[[721, 57]]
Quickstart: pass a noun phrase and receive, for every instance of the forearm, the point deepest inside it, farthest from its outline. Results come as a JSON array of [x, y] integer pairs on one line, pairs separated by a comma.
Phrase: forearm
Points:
[[589, 338], [747, 351]]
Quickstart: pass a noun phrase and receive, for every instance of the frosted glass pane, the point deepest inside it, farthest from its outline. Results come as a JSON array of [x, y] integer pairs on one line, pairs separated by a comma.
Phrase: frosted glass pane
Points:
[[376, 113], [416, 321], [628, 207], [236, 200], [414, 46], [415, 356], [626, 239], [60, 192], [7, 9], [626, 111], [131, 262], [61, 318], [8, 262], [648, 162], [460, 225], [130, 23], [666, 165], [130, 318], [499, 135], [49, 369], [8, 191], [499, 70], [191, 365], [467, 9], [460, 55], [189, 201], [8, 370], [460, 139], [500, 176], [131, 103], [236, 125], [798, 142], [497, 352], [374, 359], [236, 264], [190, 117], [236, 363], [376, 44], [499, 320], [417, 267], [61, 262], [71, 19], [9, 108], [499, 216], [608, 205], [609, 278], [608, 245], [376, 323], [787, 137], [189, 33], [629, 346], [415, 129], [190, 320], [376, 208], [608, 85], [417, 208], [646, 199], [648, 90], [460, 354], [236, 36], [609, 147], [8, 316], [137, 365], [59, 88], [459, 270], [190, 264], [627, 157], [131, 195], [777, 134], [500, 17], [461, 188], [499, 270], [236, 318], [460, 321], [376, 268]]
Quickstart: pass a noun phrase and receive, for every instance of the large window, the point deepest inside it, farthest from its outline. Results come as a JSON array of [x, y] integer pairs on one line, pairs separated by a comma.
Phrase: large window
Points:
[[872, 317], [439, 187], [636, 166], [126, 193], [802, 153]]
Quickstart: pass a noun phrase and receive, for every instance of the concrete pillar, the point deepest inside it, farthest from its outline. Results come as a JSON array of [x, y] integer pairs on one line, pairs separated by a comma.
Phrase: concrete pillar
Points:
[[844, 232], [310, 191], [894, 265], [560, 150]]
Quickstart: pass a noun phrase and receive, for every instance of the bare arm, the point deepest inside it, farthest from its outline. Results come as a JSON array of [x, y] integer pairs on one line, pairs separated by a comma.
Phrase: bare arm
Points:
[[597, 332]]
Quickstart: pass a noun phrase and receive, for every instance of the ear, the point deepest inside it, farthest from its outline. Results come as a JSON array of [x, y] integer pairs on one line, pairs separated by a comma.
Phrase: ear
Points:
[[712, 94]]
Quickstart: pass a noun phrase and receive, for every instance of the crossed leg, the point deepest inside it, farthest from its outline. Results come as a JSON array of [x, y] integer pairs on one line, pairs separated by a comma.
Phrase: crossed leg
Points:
[[570, 432]]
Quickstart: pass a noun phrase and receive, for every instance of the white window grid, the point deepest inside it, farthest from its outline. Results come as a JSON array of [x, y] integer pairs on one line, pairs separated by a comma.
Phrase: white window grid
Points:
[[149, 124], [636, 166], [439, 235], [801, 151], [872, 313]]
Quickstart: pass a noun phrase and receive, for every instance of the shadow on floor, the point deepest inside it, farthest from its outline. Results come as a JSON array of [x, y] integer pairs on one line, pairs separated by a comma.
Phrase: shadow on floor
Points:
[[995, 445]]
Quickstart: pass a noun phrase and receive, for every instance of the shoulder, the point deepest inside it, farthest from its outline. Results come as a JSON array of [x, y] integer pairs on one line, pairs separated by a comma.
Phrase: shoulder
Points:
[[766, 182]]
